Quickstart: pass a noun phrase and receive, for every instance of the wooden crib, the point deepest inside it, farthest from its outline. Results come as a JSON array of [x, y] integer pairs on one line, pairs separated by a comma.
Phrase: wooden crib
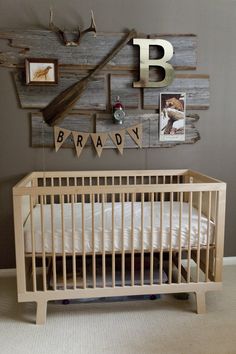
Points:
[[117, 233]]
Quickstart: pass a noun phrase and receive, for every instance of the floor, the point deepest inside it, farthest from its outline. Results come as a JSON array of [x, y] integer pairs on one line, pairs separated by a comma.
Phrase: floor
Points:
[[165, 325]]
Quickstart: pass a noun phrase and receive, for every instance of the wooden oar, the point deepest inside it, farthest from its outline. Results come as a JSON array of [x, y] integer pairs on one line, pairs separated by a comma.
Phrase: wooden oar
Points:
[[58, 108]]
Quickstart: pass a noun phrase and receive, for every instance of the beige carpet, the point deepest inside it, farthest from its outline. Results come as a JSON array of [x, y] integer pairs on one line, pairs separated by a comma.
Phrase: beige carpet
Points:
[[163, 326]]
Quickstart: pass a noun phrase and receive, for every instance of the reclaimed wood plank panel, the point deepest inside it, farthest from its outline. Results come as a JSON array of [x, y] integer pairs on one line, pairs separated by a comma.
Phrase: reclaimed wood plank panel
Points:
[[150, 124], [16, 45], [93, 98], [196, 88], [122, 85], [42, 135]]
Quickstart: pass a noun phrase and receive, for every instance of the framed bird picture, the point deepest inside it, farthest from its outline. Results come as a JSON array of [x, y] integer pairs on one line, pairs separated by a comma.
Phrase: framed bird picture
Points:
[[40, 71]]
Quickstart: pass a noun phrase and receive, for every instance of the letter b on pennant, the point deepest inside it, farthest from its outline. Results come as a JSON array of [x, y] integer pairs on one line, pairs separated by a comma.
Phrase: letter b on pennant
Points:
[[146, 62]]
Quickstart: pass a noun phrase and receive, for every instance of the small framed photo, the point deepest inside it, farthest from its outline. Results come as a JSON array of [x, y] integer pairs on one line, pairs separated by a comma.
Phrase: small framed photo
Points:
[[172, 116], [41, 71]]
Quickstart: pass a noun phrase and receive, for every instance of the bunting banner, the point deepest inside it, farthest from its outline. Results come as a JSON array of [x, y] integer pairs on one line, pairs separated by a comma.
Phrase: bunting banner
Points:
[[99, 139], [60, 136], [80, 140]]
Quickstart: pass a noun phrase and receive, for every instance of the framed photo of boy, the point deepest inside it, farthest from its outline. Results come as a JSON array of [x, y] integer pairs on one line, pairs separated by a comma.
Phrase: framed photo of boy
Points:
[[172, 116], [40, 71]]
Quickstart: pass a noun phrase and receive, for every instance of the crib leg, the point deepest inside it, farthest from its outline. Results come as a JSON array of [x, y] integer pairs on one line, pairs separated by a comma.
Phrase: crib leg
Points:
[[41, 312], [201, 302]]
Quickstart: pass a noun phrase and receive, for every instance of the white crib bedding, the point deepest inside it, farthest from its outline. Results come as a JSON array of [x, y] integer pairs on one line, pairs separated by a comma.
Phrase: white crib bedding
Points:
[[150, 235]]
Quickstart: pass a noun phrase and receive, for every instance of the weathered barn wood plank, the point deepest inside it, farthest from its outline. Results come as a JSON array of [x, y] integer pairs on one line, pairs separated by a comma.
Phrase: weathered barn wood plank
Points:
[[150, 124], [42, 135], [196, 88], [16, 45], [122, 85], [94, 96]]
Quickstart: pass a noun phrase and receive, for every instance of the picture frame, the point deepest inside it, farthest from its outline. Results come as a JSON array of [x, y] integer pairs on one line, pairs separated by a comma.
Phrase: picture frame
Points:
[[41, 71], [172, 116]]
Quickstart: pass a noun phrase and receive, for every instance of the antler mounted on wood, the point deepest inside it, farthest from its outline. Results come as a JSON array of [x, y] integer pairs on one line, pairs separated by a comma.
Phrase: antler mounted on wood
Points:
[[79, 34], [58, 108]]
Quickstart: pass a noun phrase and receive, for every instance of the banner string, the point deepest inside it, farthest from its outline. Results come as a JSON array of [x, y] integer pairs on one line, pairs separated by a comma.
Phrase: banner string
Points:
[[43, 152]]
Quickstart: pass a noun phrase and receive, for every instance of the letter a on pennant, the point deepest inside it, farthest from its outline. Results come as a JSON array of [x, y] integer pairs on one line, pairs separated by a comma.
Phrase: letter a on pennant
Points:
[[118, 139], [136, 134], [99, 140], [80, 140], [60, 135]]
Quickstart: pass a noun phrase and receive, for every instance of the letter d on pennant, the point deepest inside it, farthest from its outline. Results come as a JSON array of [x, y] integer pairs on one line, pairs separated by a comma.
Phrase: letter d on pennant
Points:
[[118, 139]]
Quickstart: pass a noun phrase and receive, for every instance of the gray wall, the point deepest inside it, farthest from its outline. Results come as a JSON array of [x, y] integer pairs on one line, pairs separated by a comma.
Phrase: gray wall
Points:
[[214, 23]]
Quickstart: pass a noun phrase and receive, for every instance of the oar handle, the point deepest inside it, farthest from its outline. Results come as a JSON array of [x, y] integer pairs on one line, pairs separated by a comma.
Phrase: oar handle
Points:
[[110, 56]]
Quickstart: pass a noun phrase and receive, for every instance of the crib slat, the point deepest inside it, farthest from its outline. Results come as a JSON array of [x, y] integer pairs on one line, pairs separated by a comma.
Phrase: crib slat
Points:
[[105, 181], [171, 236], [72, 197], [178, 195], [132, 239], [180, 235], [208, 236], [63, 241], [142, 240], [33, 244], [103, 247], [199, 234], [68, 196], [43, 242], [83, 243], [123, 239], [151, 250], [54, 272], [93, 243], [189, 236], [161, 238], [113, 241]]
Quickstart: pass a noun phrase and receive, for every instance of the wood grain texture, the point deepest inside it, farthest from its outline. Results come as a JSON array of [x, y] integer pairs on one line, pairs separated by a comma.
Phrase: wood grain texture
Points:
[[43, 135], [122, 86], [94, 96], [63, 103], [16, 45], [150, 126], [195, 86]]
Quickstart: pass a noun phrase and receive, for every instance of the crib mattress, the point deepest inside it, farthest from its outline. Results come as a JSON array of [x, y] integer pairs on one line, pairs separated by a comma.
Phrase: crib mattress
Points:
[[93, 240]]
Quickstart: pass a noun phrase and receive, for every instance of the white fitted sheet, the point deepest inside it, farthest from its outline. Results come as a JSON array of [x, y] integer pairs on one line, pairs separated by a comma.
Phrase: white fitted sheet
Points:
[[148, 237]]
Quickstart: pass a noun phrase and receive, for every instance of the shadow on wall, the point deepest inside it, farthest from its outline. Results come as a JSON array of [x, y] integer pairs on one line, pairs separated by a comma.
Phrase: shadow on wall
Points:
[[7, 245]]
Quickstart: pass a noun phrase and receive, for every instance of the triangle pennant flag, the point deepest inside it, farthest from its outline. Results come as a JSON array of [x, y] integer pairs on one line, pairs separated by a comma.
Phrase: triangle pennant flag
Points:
[[118, 139], [136, 134], [80, 140], [60, 135], [99, 140]]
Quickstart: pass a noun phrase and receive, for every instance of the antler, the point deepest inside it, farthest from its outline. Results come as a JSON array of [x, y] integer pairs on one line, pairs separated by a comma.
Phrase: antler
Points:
[[92, 27], [62, 35], [56, 29]]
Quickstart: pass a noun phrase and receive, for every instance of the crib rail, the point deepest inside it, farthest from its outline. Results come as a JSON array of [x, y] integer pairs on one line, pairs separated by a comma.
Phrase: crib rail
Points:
[[143, 253]]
